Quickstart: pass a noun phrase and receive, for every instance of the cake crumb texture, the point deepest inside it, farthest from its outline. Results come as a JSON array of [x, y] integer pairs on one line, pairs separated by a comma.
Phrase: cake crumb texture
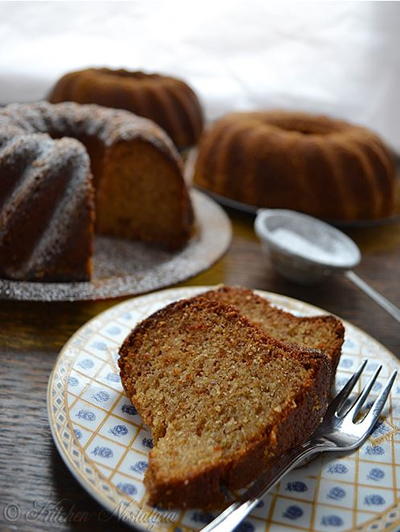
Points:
[[222, 398]]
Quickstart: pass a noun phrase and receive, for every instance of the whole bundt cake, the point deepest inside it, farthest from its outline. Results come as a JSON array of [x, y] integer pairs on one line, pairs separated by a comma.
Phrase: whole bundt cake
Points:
[[50, 203], [169, 101], [324, 167]]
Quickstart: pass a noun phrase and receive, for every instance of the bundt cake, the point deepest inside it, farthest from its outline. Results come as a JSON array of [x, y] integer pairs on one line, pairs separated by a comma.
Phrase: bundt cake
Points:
[[223, 400], [325, 333], [168, 101], [48, 198], [324, 167]]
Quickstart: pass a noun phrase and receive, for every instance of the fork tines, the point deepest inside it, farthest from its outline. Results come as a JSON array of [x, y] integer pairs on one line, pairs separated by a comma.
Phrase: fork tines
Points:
[[339, 407]]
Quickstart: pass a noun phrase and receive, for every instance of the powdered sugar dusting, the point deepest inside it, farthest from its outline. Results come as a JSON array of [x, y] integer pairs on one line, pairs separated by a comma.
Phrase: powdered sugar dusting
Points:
[[333, 252], [127, 268]]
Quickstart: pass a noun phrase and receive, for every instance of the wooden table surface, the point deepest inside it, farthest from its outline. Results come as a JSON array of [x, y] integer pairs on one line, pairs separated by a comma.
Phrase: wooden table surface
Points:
[[37, 491]]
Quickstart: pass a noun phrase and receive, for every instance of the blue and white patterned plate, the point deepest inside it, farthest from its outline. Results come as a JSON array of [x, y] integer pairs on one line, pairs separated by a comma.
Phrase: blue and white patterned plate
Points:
[[104, 443]]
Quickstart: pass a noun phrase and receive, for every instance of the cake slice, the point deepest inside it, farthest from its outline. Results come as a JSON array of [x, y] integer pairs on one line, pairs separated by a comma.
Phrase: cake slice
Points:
[[325, 333], [222, 399]]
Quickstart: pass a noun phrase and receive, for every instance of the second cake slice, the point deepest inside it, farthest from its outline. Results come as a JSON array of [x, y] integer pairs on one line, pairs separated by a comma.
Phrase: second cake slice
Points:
[[325, 332]]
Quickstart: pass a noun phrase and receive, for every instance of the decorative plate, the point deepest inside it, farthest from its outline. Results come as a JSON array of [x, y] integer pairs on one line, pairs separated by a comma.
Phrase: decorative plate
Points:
[[102, 439], [122, 267]]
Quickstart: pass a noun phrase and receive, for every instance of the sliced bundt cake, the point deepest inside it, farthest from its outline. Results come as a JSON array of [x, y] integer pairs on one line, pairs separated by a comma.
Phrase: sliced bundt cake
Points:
[[46, 188], [222, 399]]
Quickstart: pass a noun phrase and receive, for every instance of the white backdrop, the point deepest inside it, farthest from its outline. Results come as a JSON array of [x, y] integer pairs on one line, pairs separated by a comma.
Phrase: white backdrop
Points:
[[339, 58]]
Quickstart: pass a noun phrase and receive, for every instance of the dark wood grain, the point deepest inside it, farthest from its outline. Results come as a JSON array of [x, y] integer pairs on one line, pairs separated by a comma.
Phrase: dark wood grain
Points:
[[32, 475]]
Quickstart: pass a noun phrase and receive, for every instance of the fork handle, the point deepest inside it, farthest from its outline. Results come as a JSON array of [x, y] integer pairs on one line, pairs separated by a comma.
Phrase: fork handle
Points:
[[236, 512]]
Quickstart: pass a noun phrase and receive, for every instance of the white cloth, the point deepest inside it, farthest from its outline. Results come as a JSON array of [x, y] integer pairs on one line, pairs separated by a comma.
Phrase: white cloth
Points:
[[338, 58]]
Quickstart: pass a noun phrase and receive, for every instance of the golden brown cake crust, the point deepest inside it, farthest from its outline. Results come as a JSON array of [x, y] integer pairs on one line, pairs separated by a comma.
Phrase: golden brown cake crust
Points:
[[166, 100], [318, 165], [287, 426]]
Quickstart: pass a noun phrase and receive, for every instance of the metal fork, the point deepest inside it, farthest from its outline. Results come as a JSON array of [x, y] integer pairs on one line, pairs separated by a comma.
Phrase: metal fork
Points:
[[339, 431]]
